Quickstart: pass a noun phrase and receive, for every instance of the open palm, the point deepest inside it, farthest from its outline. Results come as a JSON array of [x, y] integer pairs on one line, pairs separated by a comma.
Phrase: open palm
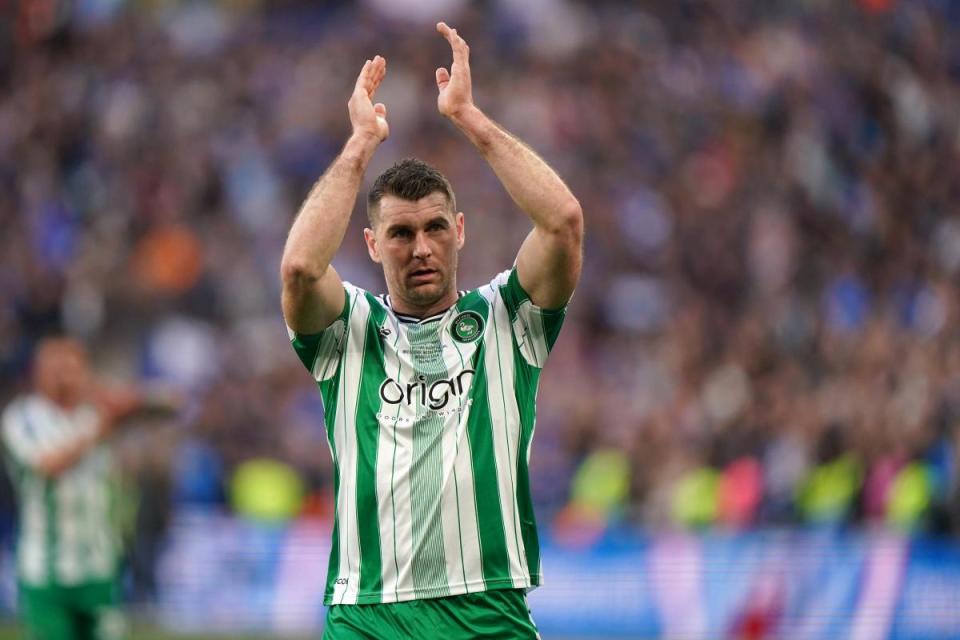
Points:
[[455, 88], [365, 116]]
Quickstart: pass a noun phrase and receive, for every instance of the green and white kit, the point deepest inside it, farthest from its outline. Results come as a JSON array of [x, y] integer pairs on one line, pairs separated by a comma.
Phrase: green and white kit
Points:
[[66, 537], [430, 423], [67, 545]]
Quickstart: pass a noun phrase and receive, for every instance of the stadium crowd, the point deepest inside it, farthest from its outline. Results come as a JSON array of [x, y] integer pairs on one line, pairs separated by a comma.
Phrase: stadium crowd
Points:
[[768, 326]]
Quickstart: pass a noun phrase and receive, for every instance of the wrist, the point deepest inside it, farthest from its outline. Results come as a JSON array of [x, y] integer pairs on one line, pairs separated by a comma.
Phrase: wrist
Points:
[[469, 116], [360, 146], [473, 123]]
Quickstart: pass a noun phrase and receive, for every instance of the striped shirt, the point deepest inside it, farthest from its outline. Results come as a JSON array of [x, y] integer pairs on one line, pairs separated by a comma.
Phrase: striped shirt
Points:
[[429, 423], [66, 535]]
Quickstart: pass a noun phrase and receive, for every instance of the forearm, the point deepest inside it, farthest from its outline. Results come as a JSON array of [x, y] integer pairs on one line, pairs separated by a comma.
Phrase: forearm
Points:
[[55, 463], [320, 225], [532, 184]]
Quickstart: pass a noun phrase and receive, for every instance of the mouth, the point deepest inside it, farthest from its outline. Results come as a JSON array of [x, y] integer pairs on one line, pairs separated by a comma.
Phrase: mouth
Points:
[[423, 275]]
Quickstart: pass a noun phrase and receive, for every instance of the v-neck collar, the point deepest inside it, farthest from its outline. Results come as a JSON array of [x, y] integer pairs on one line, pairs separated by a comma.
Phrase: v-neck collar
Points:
[[408, 319]]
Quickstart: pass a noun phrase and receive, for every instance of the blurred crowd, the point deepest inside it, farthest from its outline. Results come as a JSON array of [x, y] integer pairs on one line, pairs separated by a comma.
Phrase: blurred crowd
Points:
[[768, 326]]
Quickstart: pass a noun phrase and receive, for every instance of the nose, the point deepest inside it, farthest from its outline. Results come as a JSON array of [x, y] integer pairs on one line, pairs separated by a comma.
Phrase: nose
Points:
[[421, 248]]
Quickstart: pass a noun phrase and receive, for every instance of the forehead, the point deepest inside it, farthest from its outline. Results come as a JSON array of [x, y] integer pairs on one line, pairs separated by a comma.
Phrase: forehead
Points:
[[54, 353], [394, 210]]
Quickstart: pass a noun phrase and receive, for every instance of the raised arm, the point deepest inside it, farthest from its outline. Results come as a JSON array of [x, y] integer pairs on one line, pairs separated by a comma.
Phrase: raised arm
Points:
[[550, 258], [313, 294], [113, 407]]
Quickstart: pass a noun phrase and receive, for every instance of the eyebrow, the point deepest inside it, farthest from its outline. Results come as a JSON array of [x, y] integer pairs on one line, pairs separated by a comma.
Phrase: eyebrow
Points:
[[403, 226]]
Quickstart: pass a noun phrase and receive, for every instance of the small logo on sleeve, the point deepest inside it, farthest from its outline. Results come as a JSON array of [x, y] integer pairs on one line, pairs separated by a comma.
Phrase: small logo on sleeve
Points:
[[467, 326]]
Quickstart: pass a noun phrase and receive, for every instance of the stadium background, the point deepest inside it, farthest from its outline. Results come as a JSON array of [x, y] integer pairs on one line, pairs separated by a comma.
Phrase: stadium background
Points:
[[749, 426]]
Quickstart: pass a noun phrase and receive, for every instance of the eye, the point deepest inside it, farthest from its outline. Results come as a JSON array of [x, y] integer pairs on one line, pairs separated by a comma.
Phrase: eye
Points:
[[400, 233], [436, 226]]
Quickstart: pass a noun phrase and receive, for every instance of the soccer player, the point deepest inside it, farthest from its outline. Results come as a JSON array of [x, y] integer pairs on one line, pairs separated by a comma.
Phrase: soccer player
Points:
[[67, 549], [429, 393]]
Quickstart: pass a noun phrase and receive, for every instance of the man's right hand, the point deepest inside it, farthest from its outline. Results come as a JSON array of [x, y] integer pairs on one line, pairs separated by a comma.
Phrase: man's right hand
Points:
[[366, 117]]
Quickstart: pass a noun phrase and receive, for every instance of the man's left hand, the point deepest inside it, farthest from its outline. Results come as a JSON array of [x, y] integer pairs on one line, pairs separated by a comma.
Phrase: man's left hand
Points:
[[456, 94]]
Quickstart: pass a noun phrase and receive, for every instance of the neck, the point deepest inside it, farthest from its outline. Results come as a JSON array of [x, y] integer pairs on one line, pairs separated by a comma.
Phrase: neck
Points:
[[409, 308], [65, 401]]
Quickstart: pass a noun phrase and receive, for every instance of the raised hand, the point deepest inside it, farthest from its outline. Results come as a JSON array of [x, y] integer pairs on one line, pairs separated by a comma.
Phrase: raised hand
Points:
[[456, 93], [365, 116]]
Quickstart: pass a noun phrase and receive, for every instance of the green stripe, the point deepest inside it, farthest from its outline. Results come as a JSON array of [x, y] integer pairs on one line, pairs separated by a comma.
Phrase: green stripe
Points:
[[426, 474], [329, 392], [50, 511], [506, 430], [346, 379], [393, 477], [367, 433], [525, 381], [552, 321], [456, 480], [495, 563], [307, 348]]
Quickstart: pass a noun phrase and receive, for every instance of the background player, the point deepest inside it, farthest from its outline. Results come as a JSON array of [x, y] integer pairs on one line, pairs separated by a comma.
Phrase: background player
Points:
[[67, 548]]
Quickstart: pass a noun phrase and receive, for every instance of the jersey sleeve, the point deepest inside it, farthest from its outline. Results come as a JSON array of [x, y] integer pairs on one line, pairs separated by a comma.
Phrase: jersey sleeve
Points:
[[19, 440], [321, 352], [25, 439], [535, 329]]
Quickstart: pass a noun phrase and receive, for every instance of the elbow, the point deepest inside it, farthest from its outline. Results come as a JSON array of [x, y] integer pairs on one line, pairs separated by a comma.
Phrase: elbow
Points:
[[296, 273], [570, 222]]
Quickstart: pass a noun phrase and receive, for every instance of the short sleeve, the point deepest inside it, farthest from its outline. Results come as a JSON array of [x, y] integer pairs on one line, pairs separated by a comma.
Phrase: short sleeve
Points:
[[535, 329], [31, 431], [321, 352], [21, 442]]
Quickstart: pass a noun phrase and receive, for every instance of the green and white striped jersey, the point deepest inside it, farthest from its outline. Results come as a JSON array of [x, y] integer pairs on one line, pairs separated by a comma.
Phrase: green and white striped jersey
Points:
[[429, 423], [66, 534]]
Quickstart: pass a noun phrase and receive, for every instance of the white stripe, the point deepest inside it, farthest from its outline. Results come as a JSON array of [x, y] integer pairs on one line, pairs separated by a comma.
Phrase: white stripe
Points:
[[386, 447], [33, 532], [345, 439], [530, 334], [458, 487], [401, 459], [470, 534], [69, 529], [453, 446], [328, 351], [16, 435], [498, 360], [449, 520]]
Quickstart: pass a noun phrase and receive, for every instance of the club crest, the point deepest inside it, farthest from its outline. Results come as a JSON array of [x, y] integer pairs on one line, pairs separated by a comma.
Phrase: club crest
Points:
[[467, 326]]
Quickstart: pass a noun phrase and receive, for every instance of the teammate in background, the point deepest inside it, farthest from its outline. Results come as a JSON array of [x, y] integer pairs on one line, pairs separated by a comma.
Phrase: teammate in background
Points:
[[67, 548], [429, 393]]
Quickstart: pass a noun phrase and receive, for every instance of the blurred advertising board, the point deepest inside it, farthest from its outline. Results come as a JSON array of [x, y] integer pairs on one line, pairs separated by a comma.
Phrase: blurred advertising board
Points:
[[222, 574]]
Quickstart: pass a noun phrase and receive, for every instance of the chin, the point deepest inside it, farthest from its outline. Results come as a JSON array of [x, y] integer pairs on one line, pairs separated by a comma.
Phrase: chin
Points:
[[425, 295]]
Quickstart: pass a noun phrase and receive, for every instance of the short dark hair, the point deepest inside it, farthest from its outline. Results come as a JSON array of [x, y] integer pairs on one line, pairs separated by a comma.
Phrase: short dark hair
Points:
[[409, 179]]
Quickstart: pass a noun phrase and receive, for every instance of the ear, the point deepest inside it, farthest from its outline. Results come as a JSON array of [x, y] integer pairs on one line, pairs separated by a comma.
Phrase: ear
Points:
[[461, 233], [371, 239]]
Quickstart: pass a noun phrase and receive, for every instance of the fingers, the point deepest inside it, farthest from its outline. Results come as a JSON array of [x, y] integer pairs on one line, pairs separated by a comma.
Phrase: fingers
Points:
[[460, 49], [380, 109], [371, 75], [443, 77]]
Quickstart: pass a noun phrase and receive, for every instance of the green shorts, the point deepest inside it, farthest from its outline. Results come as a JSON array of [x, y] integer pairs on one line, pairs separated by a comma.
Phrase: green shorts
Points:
[[502, 614], [85, 612]]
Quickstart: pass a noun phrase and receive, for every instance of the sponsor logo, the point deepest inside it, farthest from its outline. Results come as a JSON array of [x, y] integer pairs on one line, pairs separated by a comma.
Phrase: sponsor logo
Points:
[[435, 395], [467, 326], [385, 332], [340, 581]]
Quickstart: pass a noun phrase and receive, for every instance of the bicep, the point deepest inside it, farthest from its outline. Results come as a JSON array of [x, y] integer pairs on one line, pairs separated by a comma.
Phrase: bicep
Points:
[[548, 267], [310, 306]]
